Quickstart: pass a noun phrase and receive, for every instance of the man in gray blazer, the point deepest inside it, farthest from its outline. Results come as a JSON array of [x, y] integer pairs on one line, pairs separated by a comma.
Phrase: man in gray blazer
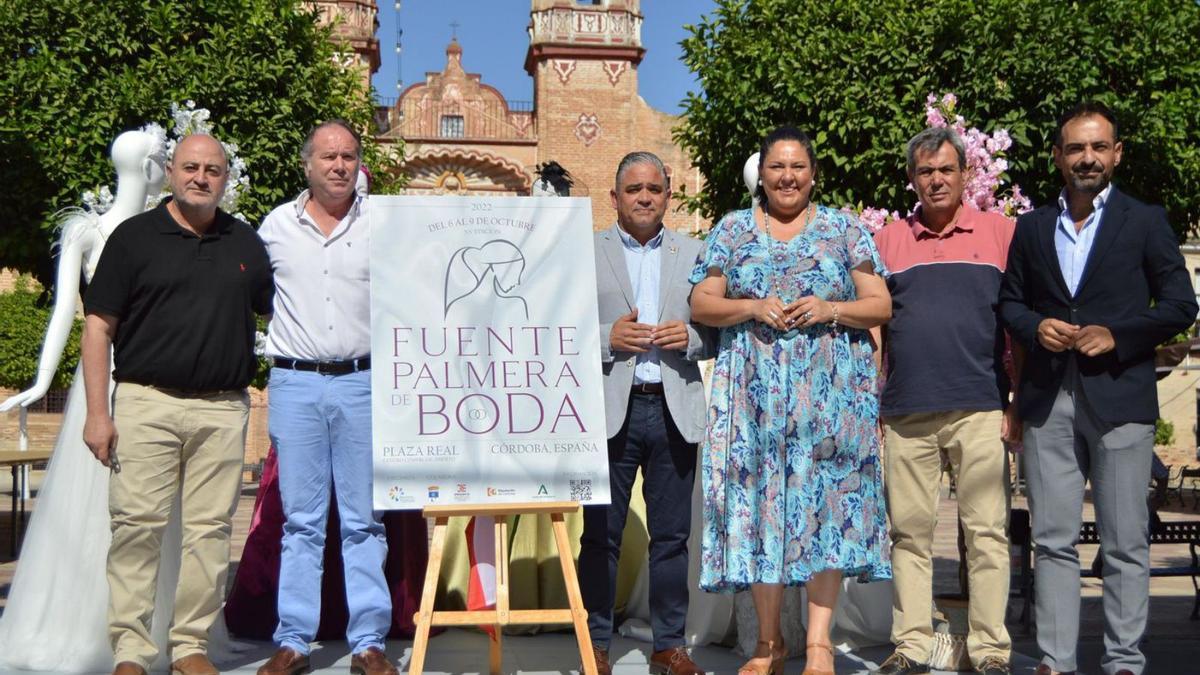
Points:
[[654, 402]]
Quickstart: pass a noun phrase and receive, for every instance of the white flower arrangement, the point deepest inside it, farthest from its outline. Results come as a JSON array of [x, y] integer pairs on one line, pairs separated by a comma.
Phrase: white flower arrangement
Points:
[[188, 119], [99, 201]]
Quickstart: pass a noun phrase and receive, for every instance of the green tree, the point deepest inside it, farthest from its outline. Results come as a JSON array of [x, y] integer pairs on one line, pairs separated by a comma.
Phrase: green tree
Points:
[[22, 325], [855, 75], [76, 73]]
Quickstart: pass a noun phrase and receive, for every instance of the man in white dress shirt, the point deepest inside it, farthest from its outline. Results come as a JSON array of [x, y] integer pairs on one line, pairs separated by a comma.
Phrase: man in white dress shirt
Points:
[[320, 407]]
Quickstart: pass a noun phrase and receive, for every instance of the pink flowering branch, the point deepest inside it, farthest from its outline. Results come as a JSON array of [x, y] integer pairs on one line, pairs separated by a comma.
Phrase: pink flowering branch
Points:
[[986, 166]]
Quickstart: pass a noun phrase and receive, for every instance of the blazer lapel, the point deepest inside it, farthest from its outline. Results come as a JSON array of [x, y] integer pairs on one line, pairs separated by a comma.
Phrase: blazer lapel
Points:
[[614, 252], [1045, 232], [1110, 225], [669, 254]]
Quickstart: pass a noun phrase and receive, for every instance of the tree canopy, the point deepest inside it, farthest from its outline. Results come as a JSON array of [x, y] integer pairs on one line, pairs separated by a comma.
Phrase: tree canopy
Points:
[[855, 76], [76, 73]]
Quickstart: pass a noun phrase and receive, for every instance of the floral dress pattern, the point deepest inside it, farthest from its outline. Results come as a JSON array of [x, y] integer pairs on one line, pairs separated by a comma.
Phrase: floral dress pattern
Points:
[[790, 466]]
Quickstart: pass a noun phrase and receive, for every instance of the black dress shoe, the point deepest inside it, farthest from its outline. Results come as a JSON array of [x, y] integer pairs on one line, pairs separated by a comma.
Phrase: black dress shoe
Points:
[[899, 664]]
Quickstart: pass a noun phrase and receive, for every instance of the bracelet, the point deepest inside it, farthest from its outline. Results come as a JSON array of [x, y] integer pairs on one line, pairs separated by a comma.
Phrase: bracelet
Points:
[[833, 324]]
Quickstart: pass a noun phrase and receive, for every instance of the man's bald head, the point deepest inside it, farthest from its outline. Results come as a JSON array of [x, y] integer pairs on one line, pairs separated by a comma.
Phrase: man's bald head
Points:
[[205, 140]]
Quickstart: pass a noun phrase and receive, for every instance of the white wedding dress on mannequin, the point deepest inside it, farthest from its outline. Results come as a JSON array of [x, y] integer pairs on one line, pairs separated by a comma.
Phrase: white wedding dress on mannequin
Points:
[[55, 617]]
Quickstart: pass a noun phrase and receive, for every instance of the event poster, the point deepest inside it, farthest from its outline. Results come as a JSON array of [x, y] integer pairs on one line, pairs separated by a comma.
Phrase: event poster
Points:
[[486, 380]]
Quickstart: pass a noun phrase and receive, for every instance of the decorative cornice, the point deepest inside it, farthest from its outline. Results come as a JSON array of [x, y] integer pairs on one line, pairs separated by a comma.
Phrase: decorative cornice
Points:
[[543, 52]]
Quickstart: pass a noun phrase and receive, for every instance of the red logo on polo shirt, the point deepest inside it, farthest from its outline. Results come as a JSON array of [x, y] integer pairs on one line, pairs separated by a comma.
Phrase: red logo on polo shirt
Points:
[[243, 266]]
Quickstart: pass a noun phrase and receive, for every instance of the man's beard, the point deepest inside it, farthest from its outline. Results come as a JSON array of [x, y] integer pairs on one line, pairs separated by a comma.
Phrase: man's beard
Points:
[[1094, 184]]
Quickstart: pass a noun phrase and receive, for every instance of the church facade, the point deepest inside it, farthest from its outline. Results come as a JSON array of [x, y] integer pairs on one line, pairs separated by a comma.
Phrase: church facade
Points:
[[462, 137]]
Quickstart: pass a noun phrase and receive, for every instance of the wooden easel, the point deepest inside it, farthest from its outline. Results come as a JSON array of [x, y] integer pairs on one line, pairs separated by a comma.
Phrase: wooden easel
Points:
[[501, 616]]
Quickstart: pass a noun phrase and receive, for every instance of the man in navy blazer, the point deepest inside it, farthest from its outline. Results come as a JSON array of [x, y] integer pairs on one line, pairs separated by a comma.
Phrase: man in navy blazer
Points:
[[1093, 284]]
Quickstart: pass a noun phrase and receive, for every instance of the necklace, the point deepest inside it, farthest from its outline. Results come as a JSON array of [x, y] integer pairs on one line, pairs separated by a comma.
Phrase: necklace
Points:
[[808, 217]]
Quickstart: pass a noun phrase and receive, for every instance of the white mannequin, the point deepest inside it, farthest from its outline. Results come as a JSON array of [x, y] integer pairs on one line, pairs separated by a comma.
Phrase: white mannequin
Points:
[[137, 156], [55, 618], [750, 176]]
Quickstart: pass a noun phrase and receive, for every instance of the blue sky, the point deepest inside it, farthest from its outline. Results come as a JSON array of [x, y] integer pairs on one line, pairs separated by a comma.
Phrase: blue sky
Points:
[[494, 40]]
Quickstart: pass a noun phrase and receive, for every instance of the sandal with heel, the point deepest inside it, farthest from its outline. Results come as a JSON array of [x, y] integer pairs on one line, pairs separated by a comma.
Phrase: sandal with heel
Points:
[[814, 671], [774, 665]]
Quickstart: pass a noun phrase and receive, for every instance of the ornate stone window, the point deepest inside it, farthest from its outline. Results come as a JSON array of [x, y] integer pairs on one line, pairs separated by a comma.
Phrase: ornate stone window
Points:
[[452, 126]]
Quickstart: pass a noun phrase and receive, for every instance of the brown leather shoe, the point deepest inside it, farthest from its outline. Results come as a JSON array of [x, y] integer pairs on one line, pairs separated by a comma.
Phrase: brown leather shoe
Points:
[[128, 668], [372, 661], [603, 667], [285, 661], [194, 664], [673, 661]]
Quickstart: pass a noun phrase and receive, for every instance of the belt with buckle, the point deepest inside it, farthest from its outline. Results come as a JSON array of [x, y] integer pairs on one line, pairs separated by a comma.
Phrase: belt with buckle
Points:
[[654, 388], [324, 367]]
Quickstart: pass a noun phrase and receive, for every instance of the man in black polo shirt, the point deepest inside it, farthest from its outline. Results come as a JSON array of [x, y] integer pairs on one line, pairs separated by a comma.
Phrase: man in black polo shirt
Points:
[[174, 296]]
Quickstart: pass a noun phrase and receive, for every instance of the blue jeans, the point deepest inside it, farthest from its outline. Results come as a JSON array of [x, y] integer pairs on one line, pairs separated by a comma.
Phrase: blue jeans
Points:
[[321, 428]]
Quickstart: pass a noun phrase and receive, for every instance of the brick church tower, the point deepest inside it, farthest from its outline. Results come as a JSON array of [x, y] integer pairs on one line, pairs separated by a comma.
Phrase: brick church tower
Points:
[[354, 25], [583, 56], [461, 136]]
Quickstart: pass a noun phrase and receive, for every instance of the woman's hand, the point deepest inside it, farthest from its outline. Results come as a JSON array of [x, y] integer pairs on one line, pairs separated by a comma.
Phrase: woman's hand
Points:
[[772, 312], [809, 311]]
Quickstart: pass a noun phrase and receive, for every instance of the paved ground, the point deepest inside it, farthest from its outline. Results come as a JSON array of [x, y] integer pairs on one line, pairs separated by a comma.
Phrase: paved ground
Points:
[[462, 651], [1173, 641]]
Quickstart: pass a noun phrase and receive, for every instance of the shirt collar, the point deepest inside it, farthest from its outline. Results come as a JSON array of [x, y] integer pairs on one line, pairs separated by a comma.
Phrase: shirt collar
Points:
[[965, 222], [633, 244], [1098, 201], [302, 203], [222, 222]]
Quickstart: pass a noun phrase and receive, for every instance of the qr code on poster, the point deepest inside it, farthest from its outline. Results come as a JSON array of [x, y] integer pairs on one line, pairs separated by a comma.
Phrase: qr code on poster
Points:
[[581, 490]]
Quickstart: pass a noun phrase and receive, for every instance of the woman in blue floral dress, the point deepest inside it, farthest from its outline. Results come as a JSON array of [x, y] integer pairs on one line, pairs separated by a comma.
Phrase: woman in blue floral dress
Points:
[[790, 466]]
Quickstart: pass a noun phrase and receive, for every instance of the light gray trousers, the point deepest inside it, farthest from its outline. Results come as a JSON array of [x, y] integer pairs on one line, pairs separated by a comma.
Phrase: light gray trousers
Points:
[[1074, 446]]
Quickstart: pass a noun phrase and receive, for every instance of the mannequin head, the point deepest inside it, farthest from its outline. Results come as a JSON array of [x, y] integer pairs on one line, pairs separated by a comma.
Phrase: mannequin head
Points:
[[750, 176], [138, 159]]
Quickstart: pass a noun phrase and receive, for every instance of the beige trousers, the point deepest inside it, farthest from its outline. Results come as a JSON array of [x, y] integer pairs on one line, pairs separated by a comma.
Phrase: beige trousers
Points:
[[169, 443], [912, 476]]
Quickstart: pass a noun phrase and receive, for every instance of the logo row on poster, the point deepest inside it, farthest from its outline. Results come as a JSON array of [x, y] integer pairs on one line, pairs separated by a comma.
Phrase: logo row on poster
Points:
[[579, 490]]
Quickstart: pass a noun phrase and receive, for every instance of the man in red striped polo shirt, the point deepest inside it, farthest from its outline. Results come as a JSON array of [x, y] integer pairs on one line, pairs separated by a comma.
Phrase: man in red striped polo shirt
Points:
[[946, 392]]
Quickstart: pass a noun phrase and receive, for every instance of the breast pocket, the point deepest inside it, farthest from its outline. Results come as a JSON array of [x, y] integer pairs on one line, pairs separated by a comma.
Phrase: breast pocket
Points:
[[357, 260]]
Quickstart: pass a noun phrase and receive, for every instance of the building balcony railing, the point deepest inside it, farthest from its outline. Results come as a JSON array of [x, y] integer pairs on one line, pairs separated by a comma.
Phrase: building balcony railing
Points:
[[577, 25], [471, 120]]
